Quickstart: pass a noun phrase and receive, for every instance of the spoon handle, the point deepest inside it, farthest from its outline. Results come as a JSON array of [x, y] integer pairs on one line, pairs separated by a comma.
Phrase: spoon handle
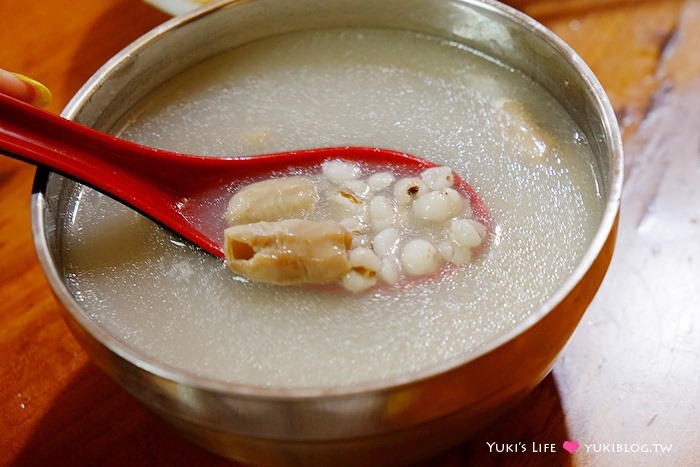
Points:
[[97, 159], [149, 180], [121, 168]]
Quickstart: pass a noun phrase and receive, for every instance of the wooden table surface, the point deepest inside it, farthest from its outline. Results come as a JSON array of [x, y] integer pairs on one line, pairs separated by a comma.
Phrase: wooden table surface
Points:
[[626, 388]]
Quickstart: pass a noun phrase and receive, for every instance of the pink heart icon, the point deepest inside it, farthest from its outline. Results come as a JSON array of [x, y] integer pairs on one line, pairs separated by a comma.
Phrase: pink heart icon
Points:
[[571, 446]]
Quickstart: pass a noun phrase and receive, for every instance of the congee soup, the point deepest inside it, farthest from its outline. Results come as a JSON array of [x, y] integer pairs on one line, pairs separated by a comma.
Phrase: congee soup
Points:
[[498, 130]]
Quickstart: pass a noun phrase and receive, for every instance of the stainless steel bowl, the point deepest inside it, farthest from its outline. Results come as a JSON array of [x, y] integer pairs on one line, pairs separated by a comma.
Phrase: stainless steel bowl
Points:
[[400, 419]]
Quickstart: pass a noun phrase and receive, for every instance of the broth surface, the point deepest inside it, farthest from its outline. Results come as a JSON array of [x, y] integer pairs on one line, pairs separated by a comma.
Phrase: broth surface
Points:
[[502, 133]]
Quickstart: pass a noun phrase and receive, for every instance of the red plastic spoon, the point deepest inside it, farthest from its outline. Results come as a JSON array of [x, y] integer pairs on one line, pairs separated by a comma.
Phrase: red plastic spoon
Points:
[[175, 190]]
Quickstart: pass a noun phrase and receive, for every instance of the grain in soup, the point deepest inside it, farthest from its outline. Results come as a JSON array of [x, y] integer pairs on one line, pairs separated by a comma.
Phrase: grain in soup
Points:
[[354, 228]]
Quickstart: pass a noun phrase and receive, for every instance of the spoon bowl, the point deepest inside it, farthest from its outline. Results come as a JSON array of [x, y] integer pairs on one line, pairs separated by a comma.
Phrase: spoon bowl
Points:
[[178, 191]]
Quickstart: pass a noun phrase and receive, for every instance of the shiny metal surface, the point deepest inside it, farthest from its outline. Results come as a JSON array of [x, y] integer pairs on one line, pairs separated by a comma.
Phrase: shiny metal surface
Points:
[[411, 416]]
